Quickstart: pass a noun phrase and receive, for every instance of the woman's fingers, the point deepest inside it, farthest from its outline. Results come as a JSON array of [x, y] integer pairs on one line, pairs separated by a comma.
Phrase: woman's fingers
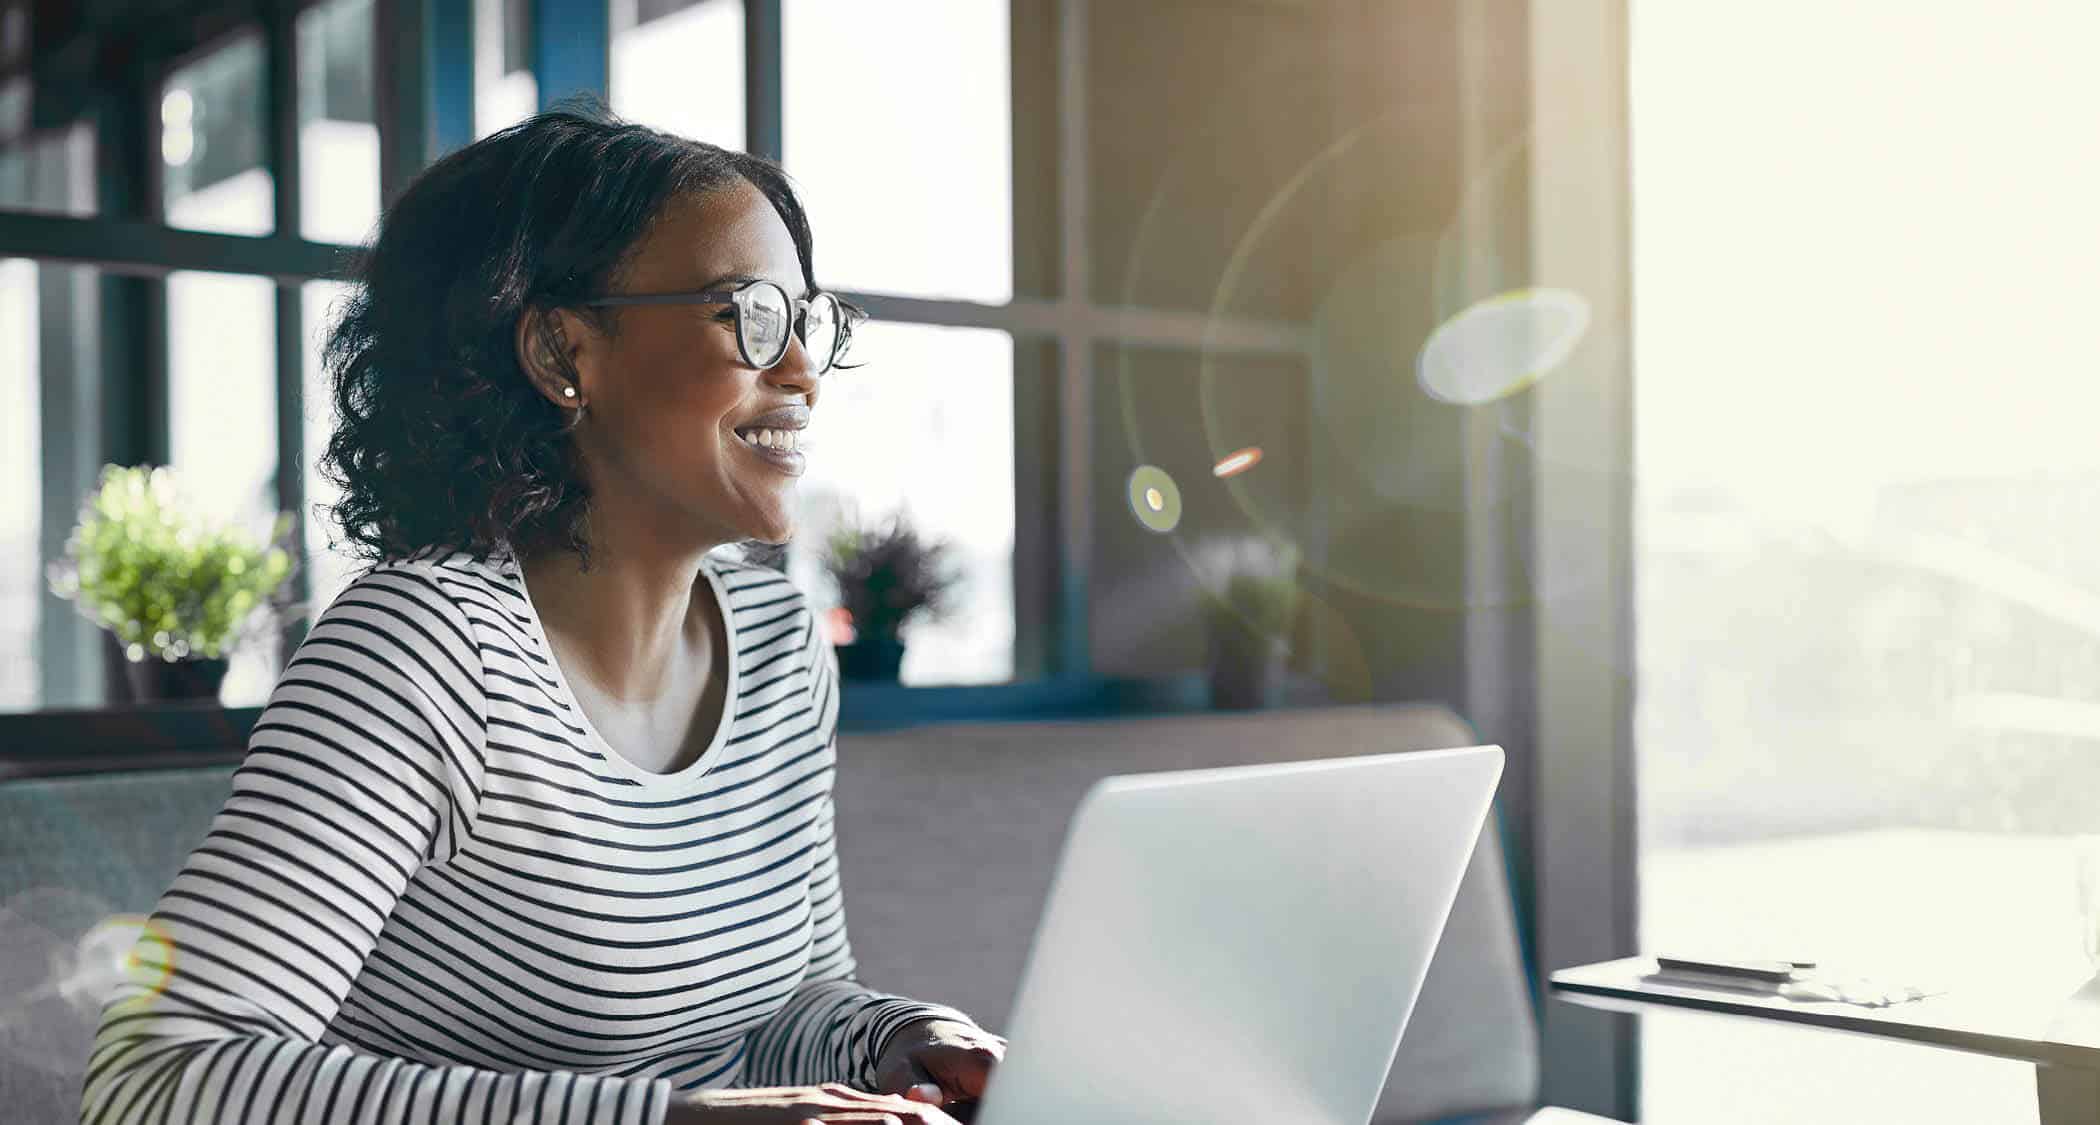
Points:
[[832, 1104], [848, 1104], [907, 1114]]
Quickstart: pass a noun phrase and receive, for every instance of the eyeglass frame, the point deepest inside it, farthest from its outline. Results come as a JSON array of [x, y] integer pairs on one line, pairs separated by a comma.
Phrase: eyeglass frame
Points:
[[798, 316]]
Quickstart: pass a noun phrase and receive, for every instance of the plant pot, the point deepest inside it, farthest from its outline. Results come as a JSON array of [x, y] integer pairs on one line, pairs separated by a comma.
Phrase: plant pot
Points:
[[1246, 668], [871, 658], [154, 680]]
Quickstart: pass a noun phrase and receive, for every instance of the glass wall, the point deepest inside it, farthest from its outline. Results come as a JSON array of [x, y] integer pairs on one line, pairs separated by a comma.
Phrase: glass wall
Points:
[[504, 90], [1868, 587], [678, 65], [1180, 413], [21, 477], [222, 422], [907, 170], [338, 133], [212, 128], [924, 429], [936, 223], [51, 171], [50, 451]]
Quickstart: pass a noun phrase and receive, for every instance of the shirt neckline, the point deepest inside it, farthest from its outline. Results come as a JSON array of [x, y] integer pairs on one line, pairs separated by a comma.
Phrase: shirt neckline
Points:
[[507, 566]]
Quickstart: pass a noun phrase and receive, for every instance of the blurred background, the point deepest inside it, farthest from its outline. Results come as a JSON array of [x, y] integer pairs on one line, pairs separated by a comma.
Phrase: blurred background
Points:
[[1691, 395]]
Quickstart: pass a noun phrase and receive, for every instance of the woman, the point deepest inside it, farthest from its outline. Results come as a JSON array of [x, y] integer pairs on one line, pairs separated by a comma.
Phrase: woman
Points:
[[537, 825]]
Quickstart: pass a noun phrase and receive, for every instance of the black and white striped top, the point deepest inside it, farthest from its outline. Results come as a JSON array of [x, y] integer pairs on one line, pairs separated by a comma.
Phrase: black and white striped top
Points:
[[436, 894]]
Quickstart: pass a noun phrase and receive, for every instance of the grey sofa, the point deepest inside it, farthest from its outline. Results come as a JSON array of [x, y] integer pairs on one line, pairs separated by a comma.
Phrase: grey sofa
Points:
[[947, 838]]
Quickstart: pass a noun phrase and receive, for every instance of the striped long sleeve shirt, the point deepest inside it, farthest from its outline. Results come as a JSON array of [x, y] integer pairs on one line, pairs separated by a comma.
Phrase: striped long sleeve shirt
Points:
[[436, 895]]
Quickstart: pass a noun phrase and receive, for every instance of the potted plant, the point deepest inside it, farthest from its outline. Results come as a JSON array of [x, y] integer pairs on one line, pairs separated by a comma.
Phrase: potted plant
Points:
[[175, 594], [1250, 608], [888, 576]]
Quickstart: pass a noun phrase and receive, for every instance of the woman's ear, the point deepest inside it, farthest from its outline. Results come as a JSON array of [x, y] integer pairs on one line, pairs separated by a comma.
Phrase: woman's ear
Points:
[[549, 352]]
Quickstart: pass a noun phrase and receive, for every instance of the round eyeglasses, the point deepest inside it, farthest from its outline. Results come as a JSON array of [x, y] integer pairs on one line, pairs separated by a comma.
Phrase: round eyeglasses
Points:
[[764, 315]]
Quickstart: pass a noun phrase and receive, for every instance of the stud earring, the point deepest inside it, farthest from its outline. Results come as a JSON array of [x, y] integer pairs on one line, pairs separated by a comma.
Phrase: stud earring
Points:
[[568, 392]]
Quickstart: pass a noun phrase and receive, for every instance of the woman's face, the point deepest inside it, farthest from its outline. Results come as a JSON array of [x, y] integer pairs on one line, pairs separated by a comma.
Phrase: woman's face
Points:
[[669, 401]]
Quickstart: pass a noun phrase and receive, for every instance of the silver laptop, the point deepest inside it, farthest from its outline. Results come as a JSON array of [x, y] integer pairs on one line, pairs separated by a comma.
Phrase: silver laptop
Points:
[[1239, 944]]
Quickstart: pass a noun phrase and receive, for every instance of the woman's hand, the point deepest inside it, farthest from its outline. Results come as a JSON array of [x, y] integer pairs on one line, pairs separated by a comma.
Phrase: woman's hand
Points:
[[831, 1104], [938, 1061]]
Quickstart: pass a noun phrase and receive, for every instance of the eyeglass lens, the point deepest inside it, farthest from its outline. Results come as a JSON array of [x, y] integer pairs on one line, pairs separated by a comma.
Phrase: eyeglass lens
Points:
[[765, 319], [820, 330], [764, 322]]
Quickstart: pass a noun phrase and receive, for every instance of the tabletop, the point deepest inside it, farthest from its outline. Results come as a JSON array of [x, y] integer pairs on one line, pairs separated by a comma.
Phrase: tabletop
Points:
[[2046, 1021]]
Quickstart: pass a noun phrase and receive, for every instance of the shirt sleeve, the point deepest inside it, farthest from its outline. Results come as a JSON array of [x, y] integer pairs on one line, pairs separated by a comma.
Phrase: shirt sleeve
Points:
[[832, 1029], [365, 765]]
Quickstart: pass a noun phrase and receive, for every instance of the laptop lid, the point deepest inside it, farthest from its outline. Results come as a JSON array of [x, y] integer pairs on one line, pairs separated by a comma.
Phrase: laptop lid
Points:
[[1239, 944]]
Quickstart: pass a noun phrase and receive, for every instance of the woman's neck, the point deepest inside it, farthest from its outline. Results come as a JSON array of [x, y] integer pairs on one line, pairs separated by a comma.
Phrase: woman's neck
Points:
[[630, 623]]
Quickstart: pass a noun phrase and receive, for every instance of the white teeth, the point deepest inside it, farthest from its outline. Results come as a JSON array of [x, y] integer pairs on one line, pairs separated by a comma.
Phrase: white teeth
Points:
[[787, 441]]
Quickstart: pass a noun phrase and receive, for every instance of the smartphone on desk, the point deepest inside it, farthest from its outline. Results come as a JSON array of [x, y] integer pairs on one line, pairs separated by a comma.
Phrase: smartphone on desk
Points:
[[1760, 972]]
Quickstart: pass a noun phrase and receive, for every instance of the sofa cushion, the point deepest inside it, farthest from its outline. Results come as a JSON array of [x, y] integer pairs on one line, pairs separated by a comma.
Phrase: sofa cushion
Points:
[[948, 836], [79, 850]]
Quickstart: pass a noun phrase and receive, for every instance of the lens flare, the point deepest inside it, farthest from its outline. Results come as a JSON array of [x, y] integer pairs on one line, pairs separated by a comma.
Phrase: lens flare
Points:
[[66, 955], [123, 949], [1378, 480], [1237, 462], [1497, 347], [1154, 498]]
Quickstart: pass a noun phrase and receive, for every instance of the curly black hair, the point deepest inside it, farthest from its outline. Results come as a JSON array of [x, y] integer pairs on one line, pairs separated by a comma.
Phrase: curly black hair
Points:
[[442, 442]]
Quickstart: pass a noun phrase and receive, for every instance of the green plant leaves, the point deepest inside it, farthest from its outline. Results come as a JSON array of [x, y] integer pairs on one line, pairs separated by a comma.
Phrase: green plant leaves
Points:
[[142, 565]]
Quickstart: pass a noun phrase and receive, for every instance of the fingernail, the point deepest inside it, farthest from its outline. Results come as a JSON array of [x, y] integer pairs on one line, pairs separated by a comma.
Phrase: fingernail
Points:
[[928, 1091]]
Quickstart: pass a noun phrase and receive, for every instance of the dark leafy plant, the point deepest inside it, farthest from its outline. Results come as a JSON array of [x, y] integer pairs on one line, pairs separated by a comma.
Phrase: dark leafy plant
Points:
[[143, 566], [888, 574]]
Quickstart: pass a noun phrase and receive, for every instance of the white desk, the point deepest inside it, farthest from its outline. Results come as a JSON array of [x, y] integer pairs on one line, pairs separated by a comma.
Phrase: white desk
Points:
[[2055, 1029]]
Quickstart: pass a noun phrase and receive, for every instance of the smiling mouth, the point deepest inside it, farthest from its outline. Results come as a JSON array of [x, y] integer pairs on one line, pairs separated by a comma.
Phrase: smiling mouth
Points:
[[779, 449], [773, 441]]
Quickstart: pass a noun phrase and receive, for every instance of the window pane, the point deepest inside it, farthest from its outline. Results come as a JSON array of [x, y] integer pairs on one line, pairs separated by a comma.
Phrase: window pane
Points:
[[222, 421], [681, 67], [21, 474], [338, 137], [925, 428], [50, 455], [906, 170], [1867, 640], [52, 171], [328, 571], [504, 90], [211, 114]]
